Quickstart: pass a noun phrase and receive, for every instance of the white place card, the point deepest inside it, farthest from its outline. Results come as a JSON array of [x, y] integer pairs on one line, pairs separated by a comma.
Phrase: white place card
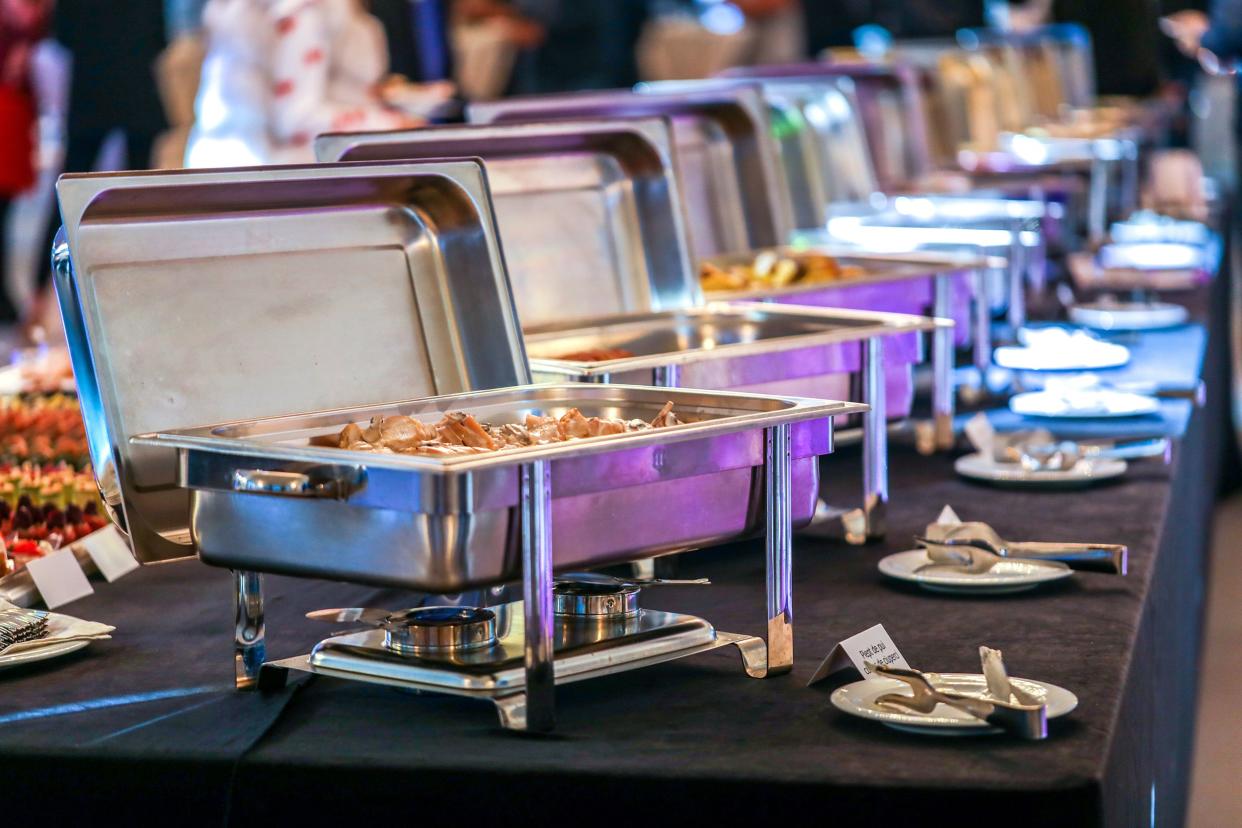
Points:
[[873, 645], [59, 578], [110, 552]]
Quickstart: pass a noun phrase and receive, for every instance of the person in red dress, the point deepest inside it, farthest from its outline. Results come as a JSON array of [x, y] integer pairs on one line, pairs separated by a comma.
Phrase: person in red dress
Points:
[[23, 23]]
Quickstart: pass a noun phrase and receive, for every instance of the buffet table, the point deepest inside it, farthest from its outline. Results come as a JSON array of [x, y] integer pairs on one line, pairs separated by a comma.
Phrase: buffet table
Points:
[[147, 723]]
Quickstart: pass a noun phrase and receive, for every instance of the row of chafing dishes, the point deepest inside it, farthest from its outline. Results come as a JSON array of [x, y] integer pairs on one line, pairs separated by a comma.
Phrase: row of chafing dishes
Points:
[[221, 323]]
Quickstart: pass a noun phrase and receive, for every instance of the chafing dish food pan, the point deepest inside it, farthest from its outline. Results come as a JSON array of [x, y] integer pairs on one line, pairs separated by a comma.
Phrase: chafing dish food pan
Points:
[[728, 346], [265, 499]]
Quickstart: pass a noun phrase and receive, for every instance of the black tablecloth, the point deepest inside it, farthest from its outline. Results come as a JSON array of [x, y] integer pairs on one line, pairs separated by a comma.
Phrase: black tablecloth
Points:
[[146, 726]]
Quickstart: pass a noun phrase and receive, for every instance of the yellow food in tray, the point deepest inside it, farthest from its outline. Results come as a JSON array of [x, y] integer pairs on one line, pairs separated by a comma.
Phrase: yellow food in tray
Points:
[[774, 270]]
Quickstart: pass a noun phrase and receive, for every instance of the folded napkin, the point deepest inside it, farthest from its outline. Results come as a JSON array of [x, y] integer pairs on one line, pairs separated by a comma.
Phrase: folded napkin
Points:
[[999, 686], [60, 628]]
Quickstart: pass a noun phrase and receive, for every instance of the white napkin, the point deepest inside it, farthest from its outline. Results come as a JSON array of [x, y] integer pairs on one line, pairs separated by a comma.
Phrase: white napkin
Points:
[[958, 556], [60, 628], [999, 686]]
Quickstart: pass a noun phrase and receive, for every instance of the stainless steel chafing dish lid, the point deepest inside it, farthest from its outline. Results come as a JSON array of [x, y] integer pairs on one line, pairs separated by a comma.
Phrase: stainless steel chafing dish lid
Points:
[[205, 296], [588, 211], [728, 165]]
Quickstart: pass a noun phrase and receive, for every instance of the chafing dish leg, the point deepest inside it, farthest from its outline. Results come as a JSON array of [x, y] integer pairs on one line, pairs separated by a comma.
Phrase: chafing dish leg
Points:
[[512, 711], [536, 520], [779, 546], [875, 442], [943, 394], [1017, 280], [1129, 194], [664, 376], [981, 326], [1037, 262], [1097, 201], [249, 648]]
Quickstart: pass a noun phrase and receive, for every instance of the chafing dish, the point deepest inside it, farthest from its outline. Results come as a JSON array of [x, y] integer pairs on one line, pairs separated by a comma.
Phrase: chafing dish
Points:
[[726, 162], [264, 499], [280, 303], [942, 284], [760, 348], [816, 92]]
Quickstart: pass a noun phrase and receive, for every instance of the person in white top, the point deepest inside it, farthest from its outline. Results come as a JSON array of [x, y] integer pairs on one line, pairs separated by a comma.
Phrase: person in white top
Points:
[[280, 72]]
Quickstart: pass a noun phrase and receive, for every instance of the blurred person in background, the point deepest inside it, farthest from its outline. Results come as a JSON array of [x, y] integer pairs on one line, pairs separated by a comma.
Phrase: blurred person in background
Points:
[[113, 47], [416, 32], [280, 72], [831, 23], [780, 31], [586, 44], [23, 23]]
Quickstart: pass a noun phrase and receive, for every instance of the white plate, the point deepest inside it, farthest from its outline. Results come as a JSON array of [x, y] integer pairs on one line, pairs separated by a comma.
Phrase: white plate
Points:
[[1151, 256], [858, 699], [1004, 578], [1128, 316], [1079, 403], [41, 654], [978, 467], [1020, 358]]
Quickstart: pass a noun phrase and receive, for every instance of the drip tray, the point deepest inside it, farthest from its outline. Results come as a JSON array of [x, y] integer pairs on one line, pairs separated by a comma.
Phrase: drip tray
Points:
[[585, 647]]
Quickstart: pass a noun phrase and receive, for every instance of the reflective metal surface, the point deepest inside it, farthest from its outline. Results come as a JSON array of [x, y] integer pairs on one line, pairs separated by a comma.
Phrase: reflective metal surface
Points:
[[199, 297], [447, 524], [583, 649], [588, 210], [727, 162], [594, 600], [440, 630]]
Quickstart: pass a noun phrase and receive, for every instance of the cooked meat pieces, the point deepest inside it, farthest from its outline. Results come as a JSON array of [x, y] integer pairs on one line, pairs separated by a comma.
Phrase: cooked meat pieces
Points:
[[398, 433], [459, 433], [543, 429], [774, 270], [459, 429], [597, 355], [665, 418]]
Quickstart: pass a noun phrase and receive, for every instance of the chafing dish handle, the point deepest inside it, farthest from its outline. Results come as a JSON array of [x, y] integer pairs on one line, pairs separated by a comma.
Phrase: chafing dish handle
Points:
[[334, 483]]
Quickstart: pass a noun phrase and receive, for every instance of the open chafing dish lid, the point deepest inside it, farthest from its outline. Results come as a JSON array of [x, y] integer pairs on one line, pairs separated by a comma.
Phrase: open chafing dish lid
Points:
[[737, 113], [195, 297], [588, 210]]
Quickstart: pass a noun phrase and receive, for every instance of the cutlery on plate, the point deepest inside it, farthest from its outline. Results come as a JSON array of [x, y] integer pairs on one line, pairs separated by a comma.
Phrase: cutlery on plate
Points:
[[1098, 557], [1030, 721], [970, 560]]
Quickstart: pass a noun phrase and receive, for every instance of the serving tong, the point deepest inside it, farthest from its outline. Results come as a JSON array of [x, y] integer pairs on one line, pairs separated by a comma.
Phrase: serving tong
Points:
[[980, 537], [1063, 455], [1029, 721]]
